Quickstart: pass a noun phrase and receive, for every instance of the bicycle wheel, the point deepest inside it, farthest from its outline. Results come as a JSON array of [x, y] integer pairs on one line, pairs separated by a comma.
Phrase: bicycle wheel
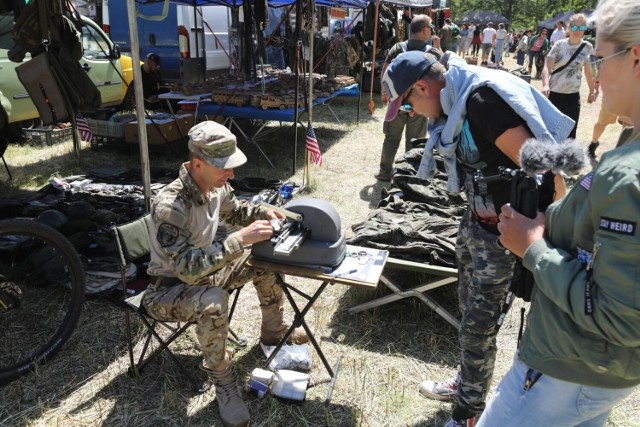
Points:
[[42, 284]]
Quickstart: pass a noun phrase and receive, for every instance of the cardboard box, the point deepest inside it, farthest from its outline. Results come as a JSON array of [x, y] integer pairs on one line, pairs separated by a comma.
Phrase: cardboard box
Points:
[[163, 129]]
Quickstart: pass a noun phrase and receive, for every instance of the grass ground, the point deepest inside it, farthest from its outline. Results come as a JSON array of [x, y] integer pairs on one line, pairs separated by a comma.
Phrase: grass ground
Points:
[[386, 352]]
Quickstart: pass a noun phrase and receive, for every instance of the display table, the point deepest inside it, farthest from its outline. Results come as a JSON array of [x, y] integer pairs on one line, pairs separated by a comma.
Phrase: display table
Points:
[[198, 98], [232, 112]]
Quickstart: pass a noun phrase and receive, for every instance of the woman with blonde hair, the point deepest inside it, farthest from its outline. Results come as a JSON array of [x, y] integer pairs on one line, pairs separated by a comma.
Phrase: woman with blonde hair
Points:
[[565, 63], [579, 356]]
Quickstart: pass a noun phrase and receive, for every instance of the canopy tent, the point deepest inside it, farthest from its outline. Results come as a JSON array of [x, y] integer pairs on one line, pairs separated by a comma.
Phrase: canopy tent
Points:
[[133, 30], [550, 23], [483, 17], [277, 3]]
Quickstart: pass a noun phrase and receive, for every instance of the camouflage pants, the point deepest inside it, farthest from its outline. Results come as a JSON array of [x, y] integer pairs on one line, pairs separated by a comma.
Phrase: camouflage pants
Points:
[[207, 305], [484, 272]]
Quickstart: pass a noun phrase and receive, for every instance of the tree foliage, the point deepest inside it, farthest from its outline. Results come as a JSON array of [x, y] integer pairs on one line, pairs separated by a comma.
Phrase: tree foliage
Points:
[[522, 13]]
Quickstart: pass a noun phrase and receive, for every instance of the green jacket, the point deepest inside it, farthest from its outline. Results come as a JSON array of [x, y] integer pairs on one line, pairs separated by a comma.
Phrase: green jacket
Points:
[[545, 45], [590, 335]]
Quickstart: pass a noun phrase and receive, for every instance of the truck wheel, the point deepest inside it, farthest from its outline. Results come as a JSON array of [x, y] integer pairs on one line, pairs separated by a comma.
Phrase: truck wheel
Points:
[[282, 106], [264, 106], [129, 101]]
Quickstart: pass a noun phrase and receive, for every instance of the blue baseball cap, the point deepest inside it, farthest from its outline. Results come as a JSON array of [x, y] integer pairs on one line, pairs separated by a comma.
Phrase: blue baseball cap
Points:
[[401, 75]]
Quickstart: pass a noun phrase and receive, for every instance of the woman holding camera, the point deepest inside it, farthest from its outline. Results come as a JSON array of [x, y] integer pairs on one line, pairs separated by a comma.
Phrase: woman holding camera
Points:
[[579, 356]]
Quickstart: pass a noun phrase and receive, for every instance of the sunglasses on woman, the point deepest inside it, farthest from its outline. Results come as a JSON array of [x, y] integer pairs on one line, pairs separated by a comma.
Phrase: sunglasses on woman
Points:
[[595, 62], [579, 28]]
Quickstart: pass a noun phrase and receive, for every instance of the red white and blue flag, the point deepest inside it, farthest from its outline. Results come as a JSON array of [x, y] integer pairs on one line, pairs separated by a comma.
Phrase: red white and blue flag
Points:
[[312, 146], [83, 127]]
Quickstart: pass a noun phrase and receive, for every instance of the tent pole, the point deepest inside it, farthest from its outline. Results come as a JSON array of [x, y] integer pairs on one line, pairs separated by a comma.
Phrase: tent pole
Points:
[[139, 97], [296, 73], [364, 25]]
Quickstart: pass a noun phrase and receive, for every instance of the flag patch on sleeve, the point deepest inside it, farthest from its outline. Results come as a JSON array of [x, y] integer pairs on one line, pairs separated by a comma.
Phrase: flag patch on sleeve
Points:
[[586, 181]]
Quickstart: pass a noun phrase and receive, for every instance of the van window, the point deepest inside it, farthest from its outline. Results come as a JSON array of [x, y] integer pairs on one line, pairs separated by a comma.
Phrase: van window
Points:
[[95, 46], [6, 25]]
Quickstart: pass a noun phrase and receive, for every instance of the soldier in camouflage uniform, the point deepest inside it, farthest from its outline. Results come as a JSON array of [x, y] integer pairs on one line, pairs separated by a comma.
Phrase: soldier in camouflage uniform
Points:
[[192, 273], [490, 133]]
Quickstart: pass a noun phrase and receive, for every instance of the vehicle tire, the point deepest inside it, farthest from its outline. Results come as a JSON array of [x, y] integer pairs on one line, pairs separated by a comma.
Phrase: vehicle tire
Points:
[[282, 106], [40, 315], [129, 101], [264, 106]]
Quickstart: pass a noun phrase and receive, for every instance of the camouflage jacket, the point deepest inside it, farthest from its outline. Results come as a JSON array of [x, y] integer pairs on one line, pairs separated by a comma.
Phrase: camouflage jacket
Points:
[[184, 222]]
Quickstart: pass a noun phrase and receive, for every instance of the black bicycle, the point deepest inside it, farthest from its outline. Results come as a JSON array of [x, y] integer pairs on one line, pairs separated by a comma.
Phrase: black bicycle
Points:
[[42, 284]]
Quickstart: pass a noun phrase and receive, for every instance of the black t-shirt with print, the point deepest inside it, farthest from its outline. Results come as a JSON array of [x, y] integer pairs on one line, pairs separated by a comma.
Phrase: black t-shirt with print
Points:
[[489, 116]]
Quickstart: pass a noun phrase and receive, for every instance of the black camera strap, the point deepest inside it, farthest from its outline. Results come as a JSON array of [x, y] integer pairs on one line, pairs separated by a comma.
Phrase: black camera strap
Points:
[[574, 56]]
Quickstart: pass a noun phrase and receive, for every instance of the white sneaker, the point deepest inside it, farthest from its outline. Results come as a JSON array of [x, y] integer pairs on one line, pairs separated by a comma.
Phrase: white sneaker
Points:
[[470, 422], [444, 391]]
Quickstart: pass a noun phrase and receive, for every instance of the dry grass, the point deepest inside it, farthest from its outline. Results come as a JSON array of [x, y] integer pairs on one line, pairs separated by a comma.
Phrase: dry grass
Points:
[[386, 352]]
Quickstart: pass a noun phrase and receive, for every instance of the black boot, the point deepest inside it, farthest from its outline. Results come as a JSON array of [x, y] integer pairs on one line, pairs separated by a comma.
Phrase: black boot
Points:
[[591, 150]]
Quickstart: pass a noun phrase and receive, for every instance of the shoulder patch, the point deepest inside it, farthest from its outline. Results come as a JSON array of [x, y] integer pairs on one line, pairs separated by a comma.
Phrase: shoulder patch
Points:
[[167, 234], [617, 226], [586, 181]]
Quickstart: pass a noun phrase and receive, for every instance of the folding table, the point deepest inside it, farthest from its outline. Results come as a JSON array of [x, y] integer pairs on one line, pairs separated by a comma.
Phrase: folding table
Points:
[[232, 112], [352, 271]]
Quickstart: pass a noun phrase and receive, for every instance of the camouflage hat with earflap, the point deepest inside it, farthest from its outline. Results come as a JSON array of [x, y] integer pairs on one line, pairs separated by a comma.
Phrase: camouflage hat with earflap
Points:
[[216, 145]]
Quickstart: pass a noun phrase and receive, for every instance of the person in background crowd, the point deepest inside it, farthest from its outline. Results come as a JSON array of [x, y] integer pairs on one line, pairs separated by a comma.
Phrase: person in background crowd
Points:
[[274, 32], [499, 43], [510, 36], [538, 47], [523, 47], [455, 40], [559, 33], [446, 35], [152, 84], [488, 40], [416, 126], [576, 359], [605, 119], [192, 273], [479, 123], [465, 40], [476, 40], [563, 68]]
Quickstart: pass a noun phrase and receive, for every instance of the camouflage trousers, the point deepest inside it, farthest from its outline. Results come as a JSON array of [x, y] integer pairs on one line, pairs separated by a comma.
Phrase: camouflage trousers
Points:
[[484, 271], [207, 305]]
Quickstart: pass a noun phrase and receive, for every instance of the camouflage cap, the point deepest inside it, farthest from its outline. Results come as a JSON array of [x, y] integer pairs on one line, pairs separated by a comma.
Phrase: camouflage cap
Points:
[[216, 145]]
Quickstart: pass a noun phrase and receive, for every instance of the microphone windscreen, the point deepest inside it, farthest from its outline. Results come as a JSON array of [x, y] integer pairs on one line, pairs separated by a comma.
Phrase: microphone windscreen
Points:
[[570, 158], [537, 156]]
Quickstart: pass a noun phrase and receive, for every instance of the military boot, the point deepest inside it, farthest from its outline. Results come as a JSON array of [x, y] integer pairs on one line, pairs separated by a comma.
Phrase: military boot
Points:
[[273, 327], [233, 410]]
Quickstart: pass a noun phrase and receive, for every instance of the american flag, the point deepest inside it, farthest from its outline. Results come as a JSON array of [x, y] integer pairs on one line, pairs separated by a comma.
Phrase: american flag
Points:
[[83, 127], [312, 146]]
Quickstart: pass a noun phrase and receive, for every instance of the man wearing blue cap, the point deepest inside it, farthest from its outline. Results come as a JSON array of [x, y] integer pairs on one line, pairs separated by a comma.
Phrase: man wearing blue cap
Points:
[[481, 118]]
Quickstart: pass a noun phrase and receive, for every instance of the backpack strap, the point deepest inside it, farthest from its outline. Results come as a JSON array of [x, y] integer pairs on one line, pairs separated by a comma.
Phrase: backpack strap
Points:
[[574, 56], [404, 46]]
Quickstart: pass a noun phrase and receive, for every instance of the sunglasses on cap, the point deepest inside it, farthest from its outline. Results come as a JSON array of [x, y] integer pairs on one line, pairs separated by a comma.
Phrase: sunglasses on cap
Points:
[[406, 106], [578, 27], [595, 61]]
